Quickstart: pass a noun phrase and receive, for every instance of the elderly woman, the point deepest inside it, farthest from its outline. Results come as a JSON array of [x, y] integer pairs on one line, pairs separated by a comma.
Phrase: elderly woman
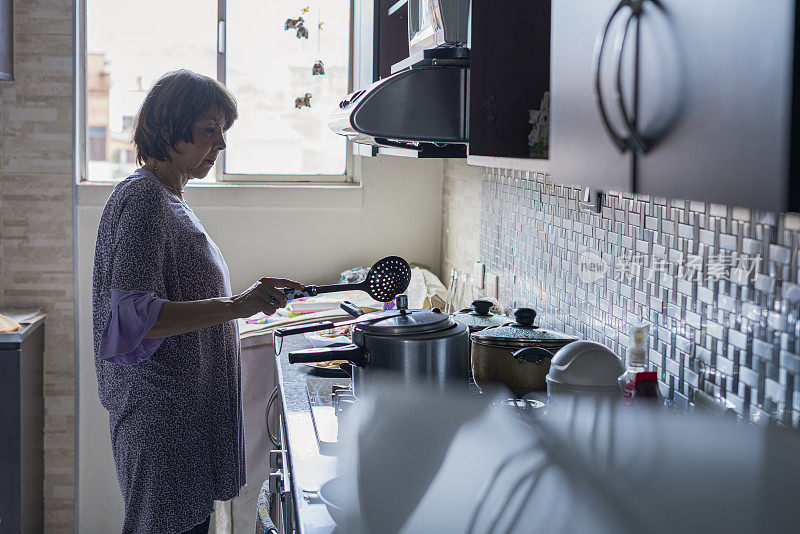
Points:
[[165, 336]]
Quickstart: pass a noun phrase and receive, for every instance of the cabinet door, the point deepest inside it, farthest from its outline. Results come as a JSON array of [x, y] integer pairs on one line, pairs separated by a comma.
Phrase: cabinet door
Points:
[[581, 150], [509, 78], [715, 100], [392, 41]]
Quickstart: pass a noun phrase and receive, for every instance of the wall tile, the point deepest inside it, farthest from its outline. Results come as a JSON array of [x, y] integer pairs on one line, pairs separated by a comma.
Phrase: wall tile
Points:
[[718, 284]]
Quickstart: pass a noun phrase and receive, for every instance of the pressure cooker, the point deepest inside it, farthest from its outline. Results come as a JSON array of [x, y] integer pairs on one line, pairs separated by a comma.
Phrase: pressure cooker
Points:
[[406, 347]]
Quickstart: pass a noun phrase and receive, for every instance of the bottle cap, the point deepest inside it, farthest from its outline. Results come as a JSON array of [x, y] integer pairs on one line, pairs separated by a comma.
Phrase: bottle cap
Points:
[[645, 376]]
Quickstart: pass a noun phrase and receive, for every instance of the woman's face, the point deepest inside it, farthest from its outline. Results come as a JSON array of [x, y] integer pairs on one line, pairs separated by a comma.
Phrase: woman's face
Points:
[[197, 158]]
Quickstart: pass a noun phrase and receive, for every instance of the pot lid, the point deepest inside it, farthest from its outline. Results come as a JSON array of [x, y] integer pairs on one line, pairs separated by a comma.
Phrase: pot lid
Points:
[[479, 317], [523, 330], [411, 322]]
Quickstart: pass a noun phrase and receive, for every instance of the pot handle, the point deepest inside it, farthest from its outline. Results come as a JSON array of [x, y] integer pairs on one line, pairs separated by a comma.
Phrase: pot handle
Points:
[[350, 352], [303, 328], [532, 355], [351, 308]]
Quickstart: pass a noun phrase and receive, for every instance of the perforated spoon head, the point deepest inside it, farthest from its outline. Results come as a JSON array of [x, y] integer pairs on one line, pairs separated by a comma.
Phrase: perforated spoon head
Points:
[[388, 278]]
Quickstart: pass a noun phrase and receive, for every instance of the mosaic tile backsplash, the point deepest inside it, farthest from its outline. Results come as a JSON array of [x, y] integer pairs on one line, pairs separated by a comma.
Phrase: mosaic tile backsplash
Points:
[[717, 284]]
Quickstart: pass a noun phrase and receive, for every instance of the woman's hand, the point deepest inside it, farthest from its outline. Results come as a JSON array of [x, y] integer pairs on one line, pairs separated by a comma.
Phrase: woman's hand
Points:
[[266, 296], [179, 317]]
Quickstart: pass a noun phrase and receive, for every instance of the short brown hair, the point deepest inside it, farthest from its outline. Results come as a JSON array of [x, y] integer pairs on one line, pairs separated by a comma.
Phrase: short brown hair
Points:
[[175, 102]]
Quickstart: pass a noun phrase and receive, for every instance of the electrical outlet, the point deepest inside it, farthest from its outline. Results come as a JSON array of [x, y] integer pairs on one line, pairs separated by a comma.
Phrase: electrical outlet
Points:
[[478, 273], [492, 282]]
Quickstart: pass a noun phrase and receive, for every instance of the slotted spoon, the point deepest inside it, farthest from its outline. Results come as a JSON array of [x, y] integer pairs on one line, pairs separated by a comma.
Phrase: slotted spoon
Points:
[[385, 280]]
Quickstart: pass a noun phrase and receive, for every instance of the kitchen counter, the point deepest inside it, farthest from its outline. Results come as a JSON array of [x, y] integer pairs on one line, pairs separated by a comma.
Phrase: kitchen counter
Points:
[[308, 467], [29, 326], [719, 455], [22, 424]]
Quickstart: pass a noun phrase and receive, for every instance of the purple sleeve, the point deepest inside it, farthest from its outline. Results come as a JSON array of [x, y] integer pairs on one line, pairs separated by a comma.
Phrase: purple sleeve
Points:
[[133, 314]]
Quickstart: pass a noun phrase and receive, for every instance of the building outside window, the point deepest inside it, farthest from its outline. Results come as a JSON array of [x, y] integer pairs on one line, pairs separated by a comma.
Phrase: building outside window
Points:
[[98, 143], [287, 64]]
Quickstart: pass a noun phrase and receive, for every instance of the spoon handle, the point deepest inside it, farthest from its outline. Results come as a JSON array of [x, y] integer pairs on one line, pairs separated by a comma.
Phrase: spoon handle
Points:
[[341, 287], [312, 291]]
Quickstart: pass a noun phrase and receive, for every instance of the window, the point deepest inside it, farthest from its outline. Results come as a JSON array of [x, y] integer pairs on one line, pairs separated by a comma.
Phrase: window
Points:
[[97, 143], [287, 63]]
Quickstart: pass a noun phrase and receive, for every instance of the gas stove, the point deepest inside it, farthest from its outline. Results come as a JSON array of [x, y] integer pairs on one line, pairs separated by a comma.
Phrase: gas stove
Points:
[[329, 399], [322, 395], [342, 399]]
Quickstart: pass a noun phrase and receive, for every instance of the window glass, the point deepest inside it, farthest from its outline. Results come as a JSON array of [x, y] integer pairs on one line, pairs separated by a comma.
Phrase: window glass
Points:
[[98, 142], [127, 50], [287, 75]]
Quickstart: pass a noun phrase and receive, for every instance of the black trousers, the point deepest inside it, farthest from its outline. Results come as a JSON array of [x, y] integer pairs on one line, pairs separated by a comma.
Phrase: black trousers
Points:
[[202, 528]]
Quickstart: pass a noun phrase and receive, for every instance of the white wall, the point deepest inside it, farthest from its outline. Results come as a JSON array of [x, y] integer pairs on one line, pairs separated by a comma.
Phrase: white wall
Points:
[[309, 234]]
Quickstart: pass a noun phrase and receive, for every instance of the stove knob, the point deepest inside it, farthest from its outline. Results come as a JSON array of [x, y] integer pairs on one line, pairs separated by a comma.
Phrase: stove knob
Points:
[[345, 398], [276, 459], [275, 483], [344, 404], [340, 392]]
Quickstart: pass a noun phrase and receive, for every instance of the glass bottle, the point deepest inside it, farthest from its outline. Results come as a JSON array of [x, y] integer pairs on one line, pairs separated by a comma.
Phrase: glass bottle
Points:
[[635, 362]]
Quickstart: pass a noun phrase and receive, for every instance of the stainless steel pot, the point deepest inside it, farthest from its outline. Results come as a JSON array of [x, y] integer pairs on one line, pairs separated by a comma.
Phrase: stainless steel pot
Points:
[[410, 347], [516, 355]]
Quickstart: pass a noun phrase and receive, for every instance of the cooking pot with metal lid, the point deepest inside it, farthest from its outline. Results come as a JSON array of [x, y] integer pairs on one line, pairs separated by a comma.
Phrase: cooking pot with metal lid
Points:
[[515, 355], [479, 316], [407, 346]]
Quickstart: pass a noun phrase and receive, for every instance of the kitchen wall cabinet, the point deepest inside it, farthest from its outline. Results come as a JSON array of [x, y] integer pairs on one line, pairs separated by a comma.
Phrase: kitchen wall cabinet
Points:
[[509, 83], [581, 151], [392, 35], [380, 39], [678, 99], [716, 79]]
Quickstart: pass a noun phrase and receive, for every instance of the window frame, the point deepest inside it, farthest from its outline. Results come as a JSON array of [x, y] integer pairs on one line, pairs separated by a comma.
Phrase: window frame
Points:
[[221, 177]]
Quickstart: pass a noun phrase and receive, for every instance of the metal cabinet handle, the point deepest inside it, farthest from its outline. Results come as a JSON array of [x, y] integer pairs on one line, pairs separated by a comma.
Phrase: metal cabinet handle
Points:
[[635, 139], [270, 404], [620, 142]]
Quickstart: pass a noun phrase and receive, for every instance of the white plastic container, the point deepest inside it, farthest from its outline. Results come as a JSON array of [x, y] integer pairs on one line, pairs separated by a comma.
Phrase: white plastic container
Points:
[[584, 368]]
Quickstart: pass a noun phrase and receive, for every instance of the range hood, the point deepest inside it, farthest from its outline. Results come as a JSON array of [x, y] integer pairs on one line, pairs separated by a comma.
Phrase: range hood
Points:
[[422, 108]]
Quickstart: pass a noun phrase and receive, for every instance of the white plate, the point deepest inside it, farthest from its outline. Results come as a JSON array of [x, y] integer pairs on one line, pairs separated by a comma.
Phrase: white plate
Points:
[[323, 341]]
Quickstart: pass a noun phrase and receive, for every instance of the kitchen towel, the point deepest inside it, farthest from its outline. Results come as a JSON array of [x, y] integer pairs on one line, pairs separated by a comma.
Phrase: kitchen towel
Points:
[[425, 290]]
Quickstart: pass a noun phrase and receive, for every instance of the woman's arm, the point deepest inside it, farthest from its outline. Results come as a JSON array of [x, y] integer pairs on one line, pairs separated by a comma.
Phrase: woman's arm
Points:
[[176, 318], [181, 317]]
